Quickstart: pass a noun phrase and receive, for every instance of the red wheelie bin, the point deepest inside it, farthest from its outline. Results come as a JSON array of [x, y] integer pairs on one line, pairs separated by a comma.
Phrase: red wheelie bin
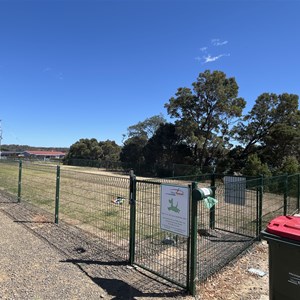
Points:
[[283, 237]]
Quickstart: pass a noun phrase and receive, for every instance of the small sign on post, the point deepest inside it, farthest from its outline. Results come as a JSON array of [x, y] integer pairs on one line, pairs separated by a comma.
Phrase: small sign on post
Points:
[[235, 190], [174, 209]]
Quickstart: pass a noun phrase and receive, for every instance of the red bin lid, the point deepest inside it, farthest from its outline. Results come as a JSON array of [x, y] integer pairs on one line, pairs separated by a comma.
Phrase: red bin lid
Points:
[[285, 226]]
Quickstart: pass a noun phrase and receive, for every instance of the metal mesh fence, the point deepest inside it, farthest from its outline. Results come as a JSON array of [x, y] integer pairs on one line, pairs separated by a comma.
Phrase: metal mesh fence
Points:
[[293, 193], [227, 229], [104, 165], [140, 169], [9, 177], [236, 208], [274, 189], [98, 204], [39, 185]]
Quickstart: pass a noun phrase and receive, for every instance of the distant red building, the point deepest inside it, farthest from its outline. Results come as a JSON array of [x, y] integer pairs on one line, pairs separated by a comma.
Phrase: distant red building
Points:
[[43, 154]]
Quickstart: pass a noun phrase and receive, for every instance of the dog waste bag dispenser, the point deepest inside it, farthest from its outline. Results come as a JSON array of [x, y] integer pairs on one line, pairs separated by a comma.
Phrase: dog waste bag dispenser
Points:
[[205, 194]]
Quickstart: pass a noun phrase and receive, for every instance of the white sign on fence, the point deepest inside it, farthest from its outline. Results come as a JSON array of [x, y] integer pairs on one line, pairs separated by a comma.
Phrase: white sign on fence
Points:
[[174, 209], [235, 190]]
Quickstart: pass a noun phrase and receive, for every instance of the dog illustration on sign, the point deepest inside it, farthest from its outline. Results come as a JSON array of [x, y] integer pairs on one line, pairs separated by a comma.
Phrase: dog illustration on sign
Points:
[[172, 207]]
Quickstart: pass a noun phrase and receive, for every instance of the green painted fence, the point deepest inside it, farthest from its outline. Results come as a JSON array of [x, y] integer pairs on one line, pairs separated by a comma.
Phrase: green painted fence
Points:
[[123, 212]]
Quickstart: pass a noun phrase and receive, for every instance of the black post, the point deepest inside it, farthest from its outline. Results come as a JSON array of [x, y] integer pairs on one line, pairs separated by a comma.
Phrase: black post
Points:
[[193, 269], [20, 181], [57, 193], [257, 210], [132, 202], [260, 206], [285, 195]]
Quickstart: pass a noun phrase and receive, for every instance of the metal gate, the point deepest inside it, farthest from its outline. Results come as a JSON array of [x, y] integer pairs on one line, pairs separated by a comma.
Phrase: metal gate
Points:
[[160, 252]]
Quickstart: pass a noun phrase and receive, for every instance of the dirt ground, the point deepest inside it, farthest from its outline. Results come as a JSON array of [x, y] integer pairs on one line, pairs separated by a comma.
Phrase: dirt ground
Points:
[[236, 282]]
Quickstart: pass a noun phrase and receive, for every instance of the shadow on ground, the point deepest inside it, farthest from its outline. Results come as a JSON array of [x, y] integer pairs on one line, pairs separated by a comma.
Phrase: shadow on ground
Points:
[[117, 288]]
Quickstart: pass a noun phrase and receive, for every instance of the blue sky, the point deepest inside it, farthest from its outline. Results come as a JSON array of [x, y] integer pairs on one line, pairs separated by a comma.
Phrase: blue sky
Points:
[[90, 69]]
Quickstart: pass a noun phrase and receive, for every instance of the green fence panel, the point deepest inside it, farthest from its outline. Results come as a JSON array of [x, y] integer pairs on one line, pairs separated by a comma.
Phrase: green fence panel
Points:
[[9, 171], [234, 229], [39, 185], [274, 193], [158, 251], [98, 204], [293, 194]]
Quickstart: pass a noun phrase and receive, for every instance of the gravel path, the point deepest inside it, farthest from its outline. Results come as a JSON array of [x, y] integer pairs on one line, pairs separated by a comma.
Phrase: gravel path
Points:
[[31, 269], [42, 260]]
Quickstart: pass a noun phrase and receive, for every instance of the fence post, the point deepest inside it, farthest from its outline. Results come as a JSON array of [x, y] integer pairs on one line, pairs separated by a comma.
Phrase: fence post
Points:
[[132, 202], [257, 210], [212, 211], [193, 257], [188, 262], [260, 206], [57, 193], [20, 181], [285, 195]]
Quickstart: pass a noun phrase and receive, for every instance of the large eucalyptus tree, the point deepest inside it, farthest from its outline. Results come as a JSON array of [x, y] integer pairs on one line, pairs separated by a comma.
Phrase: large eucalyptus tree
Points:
[[205, 113]]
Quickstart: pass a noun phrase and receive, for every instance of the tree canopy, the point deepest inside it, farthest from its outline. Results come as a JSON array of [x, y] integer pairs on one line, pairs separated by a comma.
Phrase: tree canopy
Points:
[[166, 147], [93, 150], [271, 129], [204, 114], [146, 128], [210, 129]]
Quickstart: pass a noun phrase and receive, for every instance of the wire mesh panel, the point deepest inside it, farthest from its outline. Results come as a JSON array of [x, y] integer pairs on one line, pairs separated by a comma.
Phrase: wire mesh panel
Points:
[[97, 204], [274, 190], [9, 171], [293, 193], [39, 185], [233, 228], [236, 209], [158, 251]]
